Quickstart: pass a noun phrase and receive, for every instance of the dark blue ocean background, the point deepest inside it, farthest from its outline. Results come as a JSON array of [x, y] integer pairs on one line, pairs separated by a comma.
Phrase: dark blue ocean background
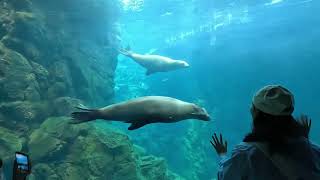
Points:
[[234, 48]]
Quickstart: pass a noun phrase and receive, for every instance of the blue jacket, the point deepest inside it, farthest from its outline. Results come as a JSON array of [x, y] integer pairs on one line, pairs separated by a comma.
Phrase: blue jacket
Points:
[[247, 162]]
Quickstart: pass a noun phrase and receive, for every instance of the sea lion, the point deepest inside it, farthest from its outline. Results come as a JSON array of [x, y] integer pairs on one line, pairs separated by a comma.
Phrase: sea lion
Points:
[[144, 110], [155, 63]]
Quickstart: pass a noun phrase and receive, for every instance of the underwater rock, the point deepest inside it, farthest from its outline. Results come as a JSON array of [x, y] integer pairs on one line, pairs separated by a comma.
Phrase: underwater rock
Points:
[[174, 176], [140, 151], [24, 111], [26, 48], [110, 157], [43, 171], [3, 30], [58, 89], [9, 143], [5, 23], [73, 171], [51, 138], [156, 168], [153, 168], [63, 106], [79, 78], [69, 79], [19, 82], [31, 93], [22, 34], [42, 76], [41, 72], [89, 152], [28, 27], [22, 17], [78, 156], [22, 116], [21, 4], [43, 145], [44, 72], [60, 72]]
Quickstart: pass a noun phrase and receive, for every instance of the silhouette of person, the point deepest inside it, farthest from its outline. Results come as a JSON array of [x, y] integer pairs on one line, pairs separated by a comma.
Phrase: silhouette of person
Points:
[[277, 148]]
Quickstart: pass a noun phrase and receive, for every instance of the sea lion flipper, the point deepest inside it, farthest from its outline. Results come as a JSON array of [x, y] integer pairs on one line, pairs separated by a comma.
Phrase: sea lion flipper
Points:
[[81, 117], [83, 108], [126, 51], [136, 125]]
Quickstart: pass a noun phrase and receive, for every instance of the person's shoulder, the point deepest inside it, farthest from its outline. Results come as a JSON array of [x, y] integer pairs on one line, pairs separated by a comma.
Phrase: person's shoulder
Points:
[[315, 147], [243, 148], [238, 154]]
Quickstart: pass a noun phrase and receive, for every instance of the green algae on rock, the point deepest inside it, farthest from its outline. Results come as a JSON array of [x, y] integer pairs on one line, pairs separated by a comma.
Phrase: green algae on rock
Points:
[[9, 143], [51, 62], [49, 141], [89, 152], [63, 106]]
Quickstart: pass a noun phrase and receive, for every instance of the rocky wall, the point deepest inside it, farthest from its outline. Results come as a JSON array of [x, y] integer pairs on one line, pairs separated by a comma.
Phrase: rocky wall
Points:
[[55, 55]]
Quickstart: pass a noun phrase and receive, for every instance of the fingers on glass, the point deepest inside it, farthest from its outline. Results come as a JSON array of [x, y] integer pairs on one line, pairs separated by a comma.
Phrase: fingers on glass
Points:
[[218, 141], [213, 145], [303, 117], [309, 123], [216, 138]]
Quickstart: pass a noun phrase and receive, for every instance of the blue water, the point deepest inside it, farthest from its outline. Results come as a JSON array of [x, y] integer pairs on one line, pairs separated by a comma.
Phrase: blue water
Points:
[[234, 48]]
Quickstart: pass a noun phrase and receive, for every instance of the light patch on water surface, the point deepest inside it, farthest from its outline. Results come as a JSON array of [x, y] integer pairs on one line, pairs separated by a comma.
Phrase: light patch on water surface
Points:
[[289, 3], [218, 20], [132, 5], [274, 2]]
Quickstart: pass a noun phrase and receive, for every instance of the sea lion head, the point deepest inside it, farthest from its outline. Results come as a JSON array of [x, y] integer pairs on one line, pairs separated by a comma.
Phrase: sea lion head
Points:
[[181, 64], [199, 113]]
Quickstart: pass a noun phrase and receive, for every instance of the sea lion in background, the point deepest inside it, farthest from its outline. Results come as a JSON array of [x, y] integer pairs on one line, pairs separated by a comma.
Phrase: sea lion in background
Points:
[[155, 63], [144, 110]]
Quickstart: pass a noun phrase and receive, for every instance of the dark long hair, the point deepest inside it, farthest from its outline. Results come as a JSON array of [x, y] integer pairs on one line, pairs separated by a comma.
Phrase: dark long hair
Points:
[[274, 130]]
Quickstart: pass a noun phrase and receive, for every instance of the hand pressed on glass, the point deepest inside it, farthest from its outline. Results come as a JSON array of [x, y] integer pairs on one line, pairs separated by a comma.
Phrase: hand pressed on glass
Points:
[[219, 145]]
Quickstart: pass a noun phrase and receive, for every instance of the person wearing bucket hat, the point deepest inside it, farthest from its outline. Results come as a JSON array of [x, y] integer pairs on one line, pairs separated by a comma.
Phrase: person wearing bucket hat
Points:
[[277, 148], [274, 100]]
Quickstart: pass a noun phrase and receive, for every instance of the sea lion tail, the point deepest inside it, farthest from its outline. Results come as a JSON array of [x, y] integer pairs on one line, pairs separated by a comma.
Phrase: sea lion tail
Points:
[[84, 116]]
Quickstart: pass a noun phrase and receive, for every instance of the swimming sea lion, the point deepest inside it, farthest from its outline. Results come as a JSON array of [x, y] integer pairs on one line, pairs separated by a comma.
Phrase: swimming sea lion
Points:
[[155, 63], [144, 110]]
